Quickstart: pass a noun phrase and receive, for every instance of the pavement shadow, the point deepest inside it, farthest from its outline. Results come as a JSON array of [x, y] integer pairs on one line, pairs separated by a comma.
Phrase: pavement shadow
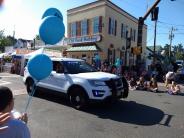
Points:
[[120, 111], [128, 112], [180, 94]]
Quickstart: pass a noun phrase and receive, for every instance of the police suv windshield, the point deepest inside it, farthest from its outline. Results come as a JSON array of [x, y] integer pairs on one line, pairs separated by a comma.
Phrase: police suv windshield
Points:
[[74, 67]]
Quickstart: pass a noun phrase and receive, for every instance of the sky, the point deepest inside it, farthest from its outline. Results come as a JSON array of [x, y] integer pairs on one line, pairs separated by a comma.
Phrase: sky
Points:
[[24, 17]]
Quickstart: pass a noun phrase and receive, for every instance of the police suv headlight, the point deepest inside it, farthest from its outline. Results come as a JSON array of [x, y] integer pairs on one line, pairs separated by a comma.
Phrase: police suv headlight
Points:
[[96, 83]]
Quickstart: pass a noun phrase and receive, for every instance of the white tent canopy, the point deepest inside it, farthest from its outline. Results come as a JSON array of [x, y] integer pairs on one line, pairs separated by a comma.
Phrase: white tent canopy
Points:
[[48, 52], [2, 54], [39, 51]]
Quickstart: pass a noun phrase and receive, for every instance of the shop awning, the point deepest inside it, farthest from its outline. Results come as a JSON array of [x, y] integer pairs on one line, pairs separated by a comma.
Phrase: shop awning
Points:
[[82, 48]]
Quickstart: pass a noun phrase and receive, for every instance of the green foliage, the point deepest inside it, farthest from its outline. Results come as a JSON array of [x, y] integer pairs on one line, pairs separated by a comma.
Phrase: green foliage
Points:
[[7, 59], [37, 37], [177, 52], [6, 41]]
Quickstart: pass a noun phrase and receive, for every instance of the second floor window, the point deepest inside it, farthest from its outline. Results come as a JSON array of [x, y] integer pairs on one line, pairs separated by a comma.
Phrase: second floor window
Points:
[[112, 26], [84, 27], [73, 29], [96, 25]]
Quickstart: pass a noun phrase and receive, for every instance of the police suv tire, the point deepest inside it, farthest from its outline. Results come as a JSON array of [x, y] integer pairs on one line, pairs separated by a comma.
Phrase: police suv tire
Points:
[[29, 85], [78, 99], [126, 89]]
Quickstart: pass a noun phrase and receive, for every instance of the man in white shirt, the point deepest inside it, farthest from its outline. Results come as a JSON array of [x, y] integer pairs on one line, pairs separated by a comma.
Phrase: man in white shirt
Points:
[[15, 127], [169, 77]]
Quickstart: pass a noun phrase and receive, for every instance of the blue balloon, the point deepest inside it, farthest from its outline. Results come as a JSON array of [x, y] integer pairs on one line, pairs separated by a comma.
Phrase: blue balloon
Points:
[[40, 66], [52, 30], [53, 12]]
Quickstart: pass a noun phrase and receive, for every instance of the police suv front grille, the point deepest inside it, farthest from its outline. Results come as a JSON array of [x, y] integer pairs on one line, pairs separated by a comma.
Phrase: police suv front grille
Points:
[[113, 83]]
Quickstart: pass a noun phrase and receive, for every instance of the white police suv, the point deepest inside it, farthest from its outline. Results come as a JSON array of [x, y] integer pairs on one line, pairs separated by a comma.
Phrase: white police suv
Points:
[[80, 82]]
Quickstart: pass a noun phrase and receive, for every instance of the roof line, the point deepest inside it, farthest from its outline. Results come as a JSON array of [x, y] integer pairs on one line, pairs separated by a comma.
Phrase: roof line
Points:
[[100, 1]]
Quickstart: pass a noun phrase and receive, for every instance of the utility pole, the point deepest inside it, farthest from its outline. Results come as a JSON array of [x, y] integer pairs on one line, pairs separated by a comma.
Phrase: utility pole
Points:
[[13, 35], [171, 36]]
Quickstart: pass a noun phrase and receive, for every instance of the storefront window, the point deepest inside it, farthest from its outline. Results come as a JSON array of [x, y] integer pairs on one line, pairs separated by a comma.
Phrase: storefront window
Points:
[[84, 27]]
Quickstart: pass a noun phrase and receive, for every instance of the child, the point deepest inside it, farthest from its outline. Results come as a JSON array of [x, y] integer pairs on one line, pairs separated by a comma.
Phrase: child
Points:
[[174, 89], [15, 127], [141, 84], [132, 84], [153, 87]]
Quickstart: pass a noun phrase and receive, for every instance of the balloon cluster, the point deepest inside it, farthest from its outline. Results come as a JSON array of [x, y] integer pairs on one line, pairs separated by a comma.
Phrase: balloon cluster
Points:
[[51, 32], [52, 28]]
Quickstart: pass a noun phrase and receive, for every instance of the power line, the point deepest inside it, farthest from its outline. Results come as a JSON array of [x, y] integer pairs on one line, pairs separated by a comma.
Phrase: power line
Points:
[[171, 24], [150, 39]]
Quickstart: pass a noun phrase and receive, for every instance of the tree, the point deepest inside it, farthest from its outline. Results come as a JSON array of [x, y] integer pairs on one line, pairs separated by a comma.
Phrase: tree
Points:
[[37, 37], [166, 48], [6, 41], [178, 51]]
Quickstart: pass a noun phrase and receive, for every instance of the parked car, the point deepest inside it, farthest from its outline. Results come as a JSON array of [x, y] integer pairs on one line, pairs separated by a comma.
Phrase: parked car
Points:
[[80, 82]]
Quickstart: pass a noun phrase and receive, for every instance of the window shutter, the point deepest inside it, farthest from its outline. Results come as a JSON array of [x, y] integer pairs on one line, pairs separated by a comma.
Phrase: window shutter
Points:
[[69, 30], [78, 27], [100, 24], [115, 31], [122, 30], [88, 27], [109, 25]]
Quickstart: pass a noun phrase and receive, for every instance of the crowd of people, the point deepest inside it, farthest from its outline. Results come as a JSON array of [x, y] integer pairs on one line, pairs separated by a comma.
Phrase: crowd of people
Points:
[[141, 79]]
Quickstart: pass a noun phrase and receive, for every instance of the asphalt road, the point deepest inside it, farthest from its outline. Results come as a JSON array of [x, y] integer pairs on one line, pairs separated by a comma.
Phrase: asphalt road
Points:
[[141, 115]]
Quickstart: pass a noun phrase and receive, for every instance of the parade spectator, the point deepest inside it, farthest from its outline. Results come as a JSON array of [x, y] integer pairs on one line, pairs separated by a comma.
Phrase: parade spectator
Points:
[[59, 68], [105, 67], [153, 86], [141, 84], [113, 69], [169, 77], [17, 128], [132, 84], [174, 89]]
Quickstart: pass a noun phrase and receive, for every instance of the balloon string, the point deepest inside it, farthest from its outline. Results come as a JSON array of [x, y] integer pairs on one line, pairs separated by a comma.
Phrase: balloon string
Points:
[[30, 97]]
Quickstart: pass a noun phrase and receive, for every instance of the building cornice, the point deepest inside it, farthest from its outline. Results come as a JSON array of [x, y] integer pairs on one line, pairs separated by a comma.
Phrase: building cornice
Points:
[[100, 3]]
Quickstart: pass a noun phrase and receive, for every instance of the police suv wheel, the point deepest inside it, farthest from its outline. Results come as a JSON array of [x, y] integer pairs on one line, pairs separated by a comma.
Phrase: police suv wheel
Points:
[[77, 99], [29, 86]]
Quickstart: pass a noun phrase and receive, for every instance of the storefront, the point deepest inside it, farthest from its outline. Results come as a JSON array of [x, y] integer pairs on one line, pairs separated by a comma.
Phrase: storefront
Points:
[[84, 47]]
